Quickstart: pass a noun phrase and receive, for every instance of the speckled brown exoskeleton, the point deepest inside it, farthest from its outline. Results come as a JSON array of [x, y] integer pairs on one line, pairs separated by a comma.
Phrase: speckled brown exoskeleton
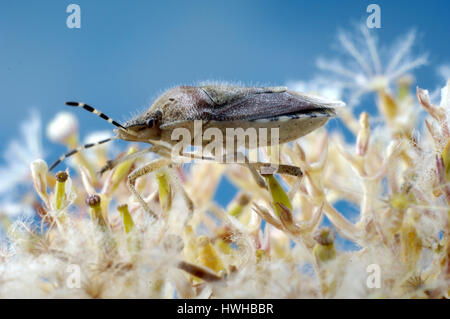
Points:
[[220, 106]]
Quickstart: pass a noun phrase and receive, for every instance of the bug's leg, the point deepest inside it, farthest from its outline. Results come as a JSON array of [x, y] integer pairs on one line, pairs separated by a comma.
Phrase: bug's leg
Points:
[[255, 174], [284, 169], [179, 186], [142, 171], [257, 169], [113, 163], [120, 159], [253, 170]]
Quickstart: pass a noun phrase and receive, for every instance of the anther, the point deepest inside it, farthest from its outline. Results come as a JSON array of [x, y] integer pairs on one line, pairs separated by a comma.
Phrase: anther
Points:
[[325, 236], [93, 200], [61, 177]]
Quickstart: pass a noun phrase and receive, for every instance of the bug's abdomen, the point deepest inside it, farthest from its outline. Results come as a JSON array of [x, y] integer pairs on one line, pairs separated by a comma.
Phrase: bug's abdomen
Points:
[[275, 130], [278, 131]]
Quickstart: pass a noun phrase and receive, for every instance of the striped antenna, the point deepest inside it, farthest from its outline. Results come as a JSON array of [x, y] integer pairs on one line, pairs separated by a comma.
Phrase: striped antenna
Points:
[[97, 112], [78, 149]]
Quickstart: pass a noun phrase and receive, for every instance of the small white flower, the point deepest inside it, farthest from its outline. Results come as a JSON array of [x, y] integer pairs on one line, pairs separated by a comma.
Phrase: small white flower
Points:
[[20, 153], [364, 72], [63, 126]]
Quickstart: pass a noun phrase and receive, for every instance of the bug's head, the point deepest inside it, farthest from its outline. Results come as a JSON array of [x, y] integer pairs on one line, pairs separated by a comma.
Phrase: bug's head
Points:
[[142, 128]]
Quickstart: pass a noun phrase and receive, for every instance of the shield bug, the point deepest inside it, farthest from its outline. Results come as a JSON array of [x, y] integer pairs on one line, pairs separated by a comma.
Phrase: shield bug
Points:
[[221, 107]]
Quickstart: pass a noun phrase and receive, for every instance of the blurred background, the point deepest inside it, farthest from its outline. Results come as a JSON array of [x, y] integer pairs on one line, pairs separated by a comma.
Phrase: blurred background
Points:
[[126, 53]]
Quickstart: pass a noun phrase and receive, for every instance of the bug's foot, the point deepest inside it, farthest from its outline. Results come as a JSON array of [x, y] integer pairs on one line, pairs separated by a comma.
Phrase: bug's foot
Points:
[[268, 170], [261, 182]]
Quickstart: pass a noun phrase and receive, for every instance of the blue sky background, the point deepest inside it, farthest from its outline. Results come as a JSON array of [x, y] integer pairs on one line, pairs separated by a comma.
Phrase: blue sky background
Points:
[[127, 52]]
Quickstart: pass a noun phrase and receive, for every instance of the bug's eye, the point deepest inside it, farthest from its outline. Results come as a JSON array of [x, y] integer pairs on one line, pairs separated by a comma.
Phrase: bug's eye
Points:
[[151, 122]]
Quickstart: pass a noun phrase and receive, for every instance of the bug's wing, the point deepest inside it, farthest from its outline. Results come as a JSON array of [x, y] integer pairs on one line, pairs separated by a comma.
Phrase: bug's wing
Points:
[[226, 94], [260, 103]]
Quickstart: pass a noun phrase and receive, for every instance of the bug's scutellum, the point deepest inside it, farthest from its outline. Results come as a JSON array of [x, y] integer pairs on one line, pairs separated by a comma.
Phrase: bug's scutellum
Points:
[[217, 106]]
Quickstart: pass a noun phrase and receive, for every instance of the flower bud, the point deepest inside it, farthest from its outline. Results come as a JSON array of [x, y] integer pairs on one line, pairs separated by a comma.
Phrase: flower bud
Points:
[[207, 255], [442, 178], [94, 202], [438, 113], [128, 223], [39, 170], [61, 178], [388, 105], [95, 206], [261, 255], [404, 84], [190, 247], [362, 141], [324, 249], [325, 236], [133, 241], [120, 173], [287, 219], [446, 160], [237, 206], [300, 152], [165, 193], [278, 193]]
